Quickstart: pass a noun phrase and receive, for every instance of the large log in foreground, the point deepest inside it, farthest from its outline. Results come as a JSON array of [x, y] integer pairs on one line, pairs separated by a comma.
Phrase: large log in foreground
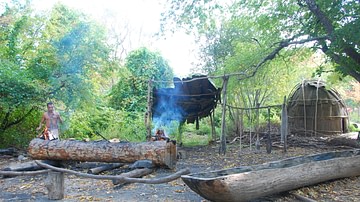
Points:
[[161, 153]]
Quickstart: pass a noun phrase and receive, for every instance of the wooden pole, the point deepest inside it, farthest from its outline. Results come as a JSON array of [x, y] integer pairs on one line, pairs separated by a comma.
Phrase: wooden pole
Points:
[[304, 107], [180, 129], [242, 126], [222, 149], [283, 128], [316, 107], [284, 124], [269, 141], [213, 131], [250, 130], [257, 143], [148, 114]]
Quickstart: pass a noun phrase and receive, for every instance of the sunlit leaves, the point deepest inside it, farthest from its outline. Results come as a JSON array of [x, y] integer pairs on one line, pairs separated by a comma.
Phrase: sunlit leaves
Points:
[[272, 21], [142, 65]]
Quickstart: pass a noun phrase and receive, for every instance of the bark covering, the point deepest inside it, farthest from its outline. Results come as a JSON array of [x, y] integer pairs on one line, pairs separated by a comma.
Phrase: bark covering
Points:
[[161, 153]]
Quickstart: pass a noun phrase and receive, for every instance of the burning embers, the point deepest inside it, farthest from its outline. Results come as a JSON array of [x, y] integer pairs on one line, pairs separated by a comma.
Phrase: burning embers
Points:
[[160, 135]]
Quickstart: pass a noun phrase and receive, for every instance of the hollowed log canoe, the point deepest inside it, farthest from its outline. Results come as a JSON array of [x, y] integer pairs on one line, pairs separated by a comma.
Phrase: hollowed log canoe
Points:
[[251, 182]]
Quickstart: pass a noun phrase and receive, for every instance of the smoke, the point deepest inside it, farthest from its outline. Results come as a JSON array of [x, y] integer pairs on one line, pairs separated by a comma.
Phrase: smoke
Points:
[[167, 111]]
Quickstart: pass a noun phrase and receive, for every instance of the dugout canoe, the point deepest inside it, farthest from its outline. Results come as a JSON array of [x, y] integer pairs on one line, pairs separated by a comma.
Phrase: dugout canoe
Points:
[[250, 182]]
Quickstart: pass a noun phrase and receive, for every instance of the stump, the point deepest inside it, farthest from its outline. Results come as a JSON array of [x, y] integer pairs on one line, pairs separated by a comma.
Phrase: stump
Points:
[[55, 185], [161, 153]]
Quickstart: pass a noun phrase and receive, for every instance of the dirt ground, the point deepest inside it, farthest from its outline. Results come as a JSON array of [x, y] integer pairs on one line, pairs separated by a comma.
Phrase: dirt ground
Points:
[[197, 159]]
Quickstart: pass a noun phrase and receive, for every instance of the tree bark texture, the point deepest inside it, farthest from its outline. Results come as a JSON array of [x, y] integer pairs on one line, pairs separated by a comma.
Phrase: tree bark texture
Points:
[[161, 153]]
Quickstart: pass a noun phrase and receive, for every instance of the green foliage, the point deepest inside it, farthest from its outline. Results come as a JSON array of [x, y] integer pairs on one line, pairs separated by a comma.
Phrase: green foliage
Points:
[[328, 25], [19, 135], [352, 128], [107, 122], [128, 127], [130, 93], [192, 139], [52, 56]]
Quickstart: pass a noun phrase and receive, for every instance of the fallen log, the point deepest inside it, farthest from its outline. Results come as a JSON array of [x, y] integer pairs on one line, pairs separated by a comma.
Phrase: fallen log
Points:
[[168, 178], [134, 173], [19, 168], [27, 173], [8, 151], [28, 166], [161, 153], [102, 168]]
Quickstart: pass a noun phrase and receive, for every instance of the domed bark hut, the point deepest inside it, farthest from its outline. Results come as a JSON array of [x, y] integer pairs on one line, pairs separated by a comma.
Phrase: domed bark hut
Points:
[[315, 109]]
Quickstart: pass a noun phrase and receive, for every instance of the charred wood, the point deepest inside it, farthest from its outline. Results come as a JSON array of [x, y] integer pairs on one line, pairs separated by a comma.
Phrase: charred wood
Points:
[[168, 178], [102, 168], [133, 174]]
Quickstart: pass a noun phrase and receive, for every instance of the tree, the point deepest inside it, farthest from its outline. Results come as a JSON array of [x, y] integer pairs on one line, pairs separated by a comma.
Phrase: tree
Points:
[[142, 65], [46, 57], [20, 93], [327, 26], [77, 50]]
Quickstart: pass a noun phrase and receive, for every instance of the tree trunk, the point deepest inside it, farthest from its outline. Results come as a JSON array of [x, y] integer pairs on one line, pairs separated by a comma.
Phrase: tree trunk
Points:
[[161, 153]]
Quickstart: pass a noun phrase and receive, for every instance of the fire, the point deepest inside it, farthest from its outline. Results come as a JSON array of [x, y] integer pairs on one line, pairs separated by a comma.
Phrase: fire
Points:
[[44, 134], [160, 135]]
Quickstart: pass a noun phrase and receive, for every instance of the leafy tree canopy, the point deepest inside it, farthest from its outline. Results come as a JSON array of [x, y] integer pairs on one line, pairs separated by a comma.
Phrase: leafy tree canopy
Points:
[[47, 57], [141, 65], [328, 26]]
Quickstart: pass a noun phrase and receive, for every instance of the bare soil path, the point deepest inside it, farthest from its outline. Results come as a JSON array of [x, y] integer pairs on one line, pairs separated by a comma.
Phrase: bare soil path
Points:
[[198, 159]]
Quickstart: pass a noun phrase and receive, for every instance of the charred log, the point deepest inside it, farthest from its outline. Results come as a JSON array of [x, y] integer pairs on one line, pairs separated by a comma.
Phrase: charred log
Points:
[[133, 174], [102, 168]]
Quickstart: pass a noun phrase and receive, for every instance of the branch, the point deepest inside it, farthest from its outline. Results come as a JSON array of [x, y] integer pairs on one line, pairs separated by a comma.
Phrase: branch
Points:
[[325, 21], [281, 45], [119, 178], [302, 198], [314, 8], [20, 119], [17, 173], [5, 124]]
